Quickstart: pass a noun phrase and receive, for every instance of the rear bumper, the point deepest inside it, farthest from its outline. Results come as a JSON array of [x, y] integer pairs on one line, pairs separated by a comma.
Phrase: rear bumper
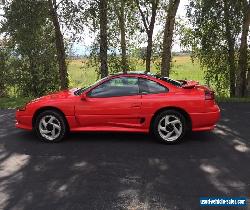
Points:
[[205, 121], [23, 121]]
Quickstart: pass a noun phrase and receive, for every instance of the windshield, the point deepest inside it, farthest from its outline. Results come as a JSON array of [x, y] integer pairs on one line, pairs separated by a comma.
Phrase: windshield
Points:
[[81, 90]]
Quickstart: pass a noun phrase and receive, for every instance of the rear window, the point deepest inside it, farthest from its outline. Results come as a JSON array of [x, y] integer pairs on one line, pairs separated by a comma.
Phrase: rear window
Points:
[[171, 81], [151, 87]]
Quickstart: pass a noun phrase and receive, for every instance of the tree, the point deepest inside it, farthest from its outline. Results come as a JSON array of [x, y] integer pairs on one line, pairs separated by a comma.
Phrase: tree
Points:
[[215, 28], [59, 42], [248, 83], [168, 36], [148, 24], [120, 13], [103, 23], [30, 59], [241, 83], [231, 46], [4, 57]]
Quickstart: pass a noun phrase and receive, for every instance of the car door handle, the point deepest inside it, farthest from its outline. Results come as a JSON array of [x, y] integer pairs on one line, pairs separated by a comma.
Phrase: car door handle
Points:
[[136, 105]]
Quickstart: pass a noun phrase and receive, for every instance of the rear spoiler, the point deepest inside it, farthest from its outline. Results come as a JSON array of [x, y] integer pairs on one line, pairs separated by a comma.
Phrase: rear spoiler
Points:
[[189, 84]]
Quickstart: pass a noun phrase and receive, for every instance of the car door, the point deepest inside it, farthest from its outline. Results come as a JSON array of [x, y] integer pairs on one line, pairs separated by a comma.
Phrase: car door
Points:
[[114, 103], [153, 97]]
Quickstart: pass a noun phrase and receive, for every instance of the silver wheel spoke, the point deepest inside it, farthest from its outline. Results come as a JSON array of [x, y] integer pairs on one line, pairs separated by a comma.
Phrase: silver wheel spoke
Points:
[[166, 120], [44, 131], [55, 125], [53, 133], [178, 132], [44, 122], [52, 118], [175, 122], [162, 128], [169, 134]]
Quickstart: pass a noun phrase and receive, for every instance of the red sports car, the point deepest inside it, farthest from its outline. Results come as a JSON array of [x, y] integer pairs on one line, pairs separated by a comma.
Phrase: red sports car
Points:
[[132, 102]]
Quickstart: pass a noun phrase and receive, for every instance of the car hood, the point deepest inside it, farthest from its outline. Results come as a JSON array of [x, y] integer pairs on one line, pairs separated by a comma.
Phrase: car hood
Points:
[[57, 95]]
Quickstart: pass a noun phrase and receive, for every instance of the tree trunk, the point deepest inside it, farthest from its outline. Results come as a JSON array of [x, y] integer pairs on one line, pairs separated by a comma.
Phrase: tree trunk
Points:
[[103, 4], [150, 34], [61, 55], [3, 69], [149, 29], [149, 51], [168, 37], [121, 19], [231, 49], [242, 64], [248, 83]]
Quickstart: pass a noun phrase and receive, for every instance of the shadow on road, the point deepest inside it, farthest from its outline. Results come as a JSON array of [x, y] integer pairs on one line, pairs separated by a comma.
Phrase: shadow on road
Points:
[[124, 171]]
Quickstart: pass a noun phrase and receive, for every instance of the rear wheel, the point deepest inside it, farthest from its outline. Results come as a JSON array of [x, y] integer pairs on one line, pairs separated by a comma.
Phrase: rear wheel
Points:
[[50, 126], [169, 126]]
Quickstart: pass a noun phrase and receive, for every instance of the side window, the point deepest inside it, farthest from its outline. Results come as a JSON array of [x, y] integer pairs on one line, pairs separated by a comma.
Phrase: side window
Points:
[[122, 86], [151, 87]]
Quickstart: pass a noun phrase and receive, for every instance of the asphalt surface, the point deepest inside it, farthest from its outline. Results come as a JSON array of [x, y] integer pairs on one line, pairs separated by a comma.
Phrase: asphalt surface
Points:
[[125, 171]]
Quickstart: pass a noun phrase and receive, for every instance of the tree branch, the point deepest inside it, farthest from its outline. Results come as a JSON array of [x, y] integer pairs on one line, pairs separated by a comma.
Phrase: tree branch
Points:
[[153, 15], [57, 5], [142, 16]]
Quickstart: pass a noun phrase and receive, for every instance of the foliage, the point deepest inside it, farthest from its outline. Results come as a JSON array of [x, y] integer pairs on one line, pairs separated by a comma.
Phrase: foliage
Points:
[[13, 102], [30, 43], [208, 38], [4, 71]]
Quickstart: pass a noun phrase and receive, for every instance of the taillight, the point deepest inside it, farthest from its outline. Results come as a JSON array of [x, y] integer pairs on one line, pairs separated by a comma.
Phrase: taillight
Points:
[[209, 95]]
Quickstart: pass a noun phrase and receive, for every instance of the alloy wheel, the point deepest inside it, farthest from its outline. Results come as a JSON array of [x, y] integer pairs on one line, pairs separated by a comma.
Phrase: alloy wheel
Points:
[[170, 128], [49, 127]]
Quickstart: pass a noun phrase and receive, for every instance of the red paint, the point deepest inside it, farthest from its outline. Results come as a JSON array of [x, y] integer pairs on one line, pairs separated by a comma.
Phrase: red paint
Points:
[[125, 113]]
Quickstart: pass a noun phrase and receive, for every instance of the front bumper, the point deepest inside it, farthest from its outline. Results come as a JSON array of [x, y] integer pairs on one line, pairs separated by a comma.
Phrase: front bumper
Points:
[[23, 120]]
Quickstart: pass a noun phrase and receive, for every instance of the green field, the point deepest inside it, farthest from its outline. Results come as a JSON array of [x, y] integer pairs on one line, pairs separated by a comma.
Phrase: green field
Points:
[[182, 68]]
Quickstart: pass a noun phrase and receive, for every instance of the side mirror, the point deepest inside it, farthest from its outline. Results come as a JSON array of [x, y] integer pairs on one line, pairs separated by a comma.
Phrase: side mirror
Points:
[[83, 97]]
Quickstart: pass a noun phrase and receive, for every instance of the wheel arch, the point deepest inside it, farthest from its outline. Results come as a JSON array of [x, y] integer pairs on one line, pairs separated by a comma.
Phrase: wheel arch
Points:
[[178, 109], [48, 108]]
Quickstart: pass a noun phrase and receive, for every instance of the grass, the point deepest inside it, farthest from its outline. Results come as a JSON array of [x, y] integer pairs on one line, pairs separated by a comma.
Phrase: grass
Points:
[[182, 68], [235, 99], [13, 102], [80, 75]]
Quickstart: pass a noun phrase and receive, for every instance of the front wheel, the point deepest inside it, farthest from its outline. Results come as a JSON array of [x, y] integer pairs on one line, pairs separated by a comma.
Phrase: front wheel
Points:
[[169, 126], [50, 126]]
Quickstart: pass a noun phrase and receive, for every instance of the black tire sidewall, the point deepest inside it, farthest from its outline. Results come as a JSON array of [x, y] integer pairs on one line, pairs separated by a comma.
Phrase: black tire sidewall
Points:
[[160, 116], [62, 123]]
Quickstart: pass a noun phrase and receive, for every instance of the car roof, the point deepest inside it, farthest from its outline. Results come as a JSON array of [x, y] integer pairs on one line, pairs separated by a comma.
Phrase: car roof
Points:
[[133, 73], [155, 77]]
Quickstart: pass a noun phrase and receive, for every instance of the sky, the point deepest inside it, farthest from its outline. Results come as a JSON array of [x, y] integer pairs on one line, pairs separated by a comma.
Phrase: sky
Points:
[[81, 48]]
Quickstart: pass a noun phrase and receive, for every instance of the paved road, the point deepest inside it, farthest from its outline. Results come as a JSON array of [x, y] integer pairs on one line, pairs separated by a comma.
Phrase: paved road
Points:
[[124, 171]]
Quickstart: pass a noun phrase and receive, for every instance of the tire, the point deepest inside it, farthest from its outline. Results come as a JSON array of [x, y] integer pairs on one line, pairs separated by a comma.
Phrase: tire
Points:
[[171, 131], [50, 126]]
